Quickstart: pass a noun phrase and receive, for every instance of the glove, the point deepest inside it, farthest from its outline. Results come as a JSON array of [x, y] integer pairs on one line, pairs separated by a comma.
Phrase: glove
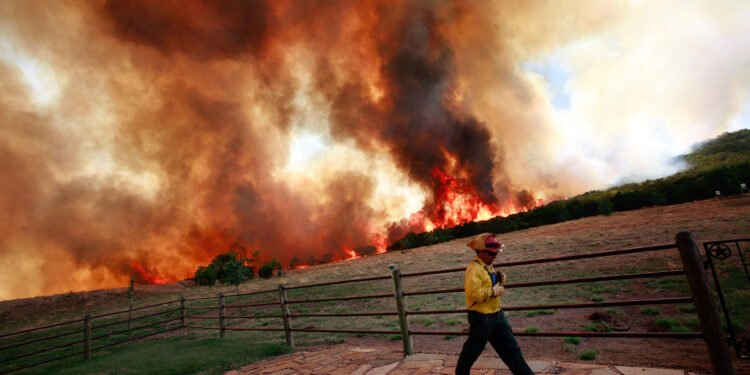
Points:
[[498, 290], [500, 277]]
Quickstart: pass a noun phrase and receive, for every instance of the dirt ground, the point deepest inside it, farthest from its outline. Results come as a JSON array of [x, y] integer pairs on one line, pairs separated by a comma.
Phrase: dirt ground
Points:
[[708, 220]]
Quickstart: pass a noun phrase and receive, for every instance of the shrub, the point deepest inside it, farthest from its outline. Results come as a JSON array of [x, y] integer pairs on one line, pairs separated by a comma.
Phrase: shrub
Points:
[[530, 329], [233, 261], [587, 355], [572, 340], [266, 271], [650, 311], [236, 272], [395, 337], [597, 299], [205, 275], [632, 200], [366, 250], [471, 228], [437, 236]]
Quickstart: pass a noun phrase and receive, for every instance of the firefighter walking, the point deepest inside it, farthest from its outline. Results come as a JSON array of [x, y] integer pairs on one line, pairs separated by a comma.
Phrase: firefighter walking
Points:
[[483, 288]]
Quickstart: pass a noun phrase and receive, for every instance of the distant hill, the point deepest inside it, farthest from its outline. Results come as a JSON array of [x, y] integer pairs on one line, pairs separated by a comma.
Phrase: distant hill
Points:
[[721, 164], [725, 150]]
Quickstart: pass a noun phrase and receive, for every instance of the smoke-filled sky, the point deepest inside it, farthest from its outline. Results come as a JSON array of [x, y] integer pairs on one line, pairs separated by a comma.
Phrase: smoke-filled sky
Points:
[[142, 138]]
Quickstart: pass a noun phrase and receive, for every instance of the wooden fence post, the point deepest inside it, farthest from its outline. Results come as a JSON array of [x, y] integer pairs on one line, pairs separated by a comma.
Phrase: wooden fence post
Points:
[[87, 337], [182, 314], [222, 325], [131, 291], [401, 306], [285, 317], [704, 304]]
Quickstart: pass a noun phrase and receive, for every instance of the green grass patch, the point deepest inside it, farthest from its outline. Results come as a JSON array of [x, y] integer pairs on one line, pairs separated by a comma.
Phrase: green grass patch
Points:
[[531, 329], [597, 299], [667, 284], [452, 322], [686, 308], [539, 312], [572, 340], [680, 329], [176, 355], [395, 337], [692, 322], [427, 321], [587, 355], [667, 323], [650, 311], [612, 311], [598, 327]]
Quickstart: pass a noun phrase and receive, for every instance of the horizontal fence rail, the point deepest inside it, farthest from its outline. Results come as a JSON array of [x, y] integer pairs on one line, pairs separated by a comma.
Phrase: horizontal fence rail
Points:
[[134, 309], [41, 328], [339, 282], [135, 338], [555, 259], [655, 301], [41, 339], [563, 281], [351, 298]]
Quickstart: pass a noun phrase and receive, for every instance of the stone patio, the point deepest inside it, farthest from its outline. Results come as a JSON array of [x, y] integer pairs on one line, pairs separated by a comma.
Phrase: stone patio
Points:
[[382, 361]]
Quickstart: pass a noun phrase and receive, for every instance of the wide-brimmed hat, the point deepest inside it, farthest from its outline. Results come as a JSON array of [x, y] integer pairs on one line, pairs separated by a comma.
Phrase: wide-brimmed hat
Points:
[[485, 241]]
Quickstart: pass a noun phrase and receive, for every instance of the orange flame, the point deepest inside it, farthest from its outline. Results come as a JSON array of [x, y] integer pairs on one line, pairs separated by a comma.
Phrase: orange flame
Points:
[[350, 253], [146, 277], [458, 202], [381, 244]]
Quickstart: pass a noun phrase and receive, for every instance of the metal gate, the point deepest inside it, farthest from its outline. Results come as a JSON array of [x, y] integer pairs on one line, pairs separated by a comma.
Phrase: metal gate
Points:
[[719, 255]]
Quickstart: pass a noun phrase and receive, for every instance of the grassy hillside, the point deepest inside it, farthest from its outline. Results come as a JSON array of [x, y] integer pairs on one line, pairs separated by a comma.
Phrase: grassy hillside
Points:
[[709, 220], [727, 149]]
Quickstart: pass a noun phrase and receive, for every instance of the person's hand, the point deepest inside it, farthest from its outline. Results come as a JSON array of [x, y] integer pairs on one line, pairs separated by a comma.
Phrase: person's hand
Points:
[[500, 277], [498, 290]]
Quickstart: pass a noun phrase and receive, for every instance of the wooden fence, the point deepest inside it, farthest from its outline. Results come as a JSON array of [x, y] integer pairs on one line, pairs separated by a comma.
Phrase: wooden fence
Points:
[[178, 314]]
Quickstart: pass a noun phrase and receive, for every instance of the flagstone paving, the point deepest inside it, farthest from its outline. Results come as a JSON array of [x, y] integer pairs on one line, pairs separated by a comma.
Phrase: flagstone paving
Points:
[[389, 361]]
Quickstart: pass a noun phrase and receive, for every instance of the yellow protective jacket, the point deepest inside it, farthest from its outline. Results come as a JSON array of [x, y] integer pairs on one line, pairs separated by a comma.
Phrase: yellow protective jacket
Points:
[[478, 288]]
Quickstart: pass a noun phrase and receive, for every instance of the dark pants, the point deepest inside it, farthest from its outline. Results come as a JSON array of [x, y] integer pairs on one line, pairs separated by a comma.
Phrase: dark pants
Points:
[[495, 329]]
